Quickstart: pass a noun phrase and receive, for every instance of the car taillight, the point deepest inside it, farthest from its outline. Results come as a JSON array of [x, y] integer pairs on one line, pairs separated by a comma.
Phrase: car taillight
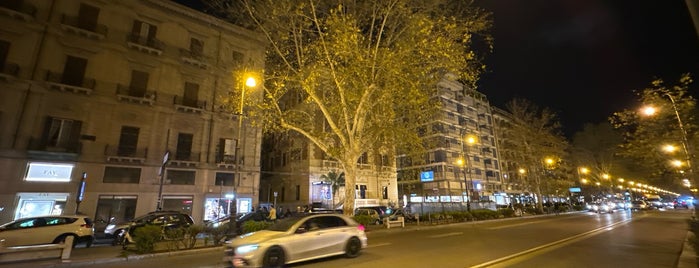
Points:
[[361, 227]]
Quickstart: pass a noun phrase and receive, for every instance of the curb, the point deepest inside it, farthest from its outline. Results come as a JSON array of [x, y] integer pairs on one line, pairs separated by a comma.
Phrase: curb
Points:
[[688, 257], [74, 263]]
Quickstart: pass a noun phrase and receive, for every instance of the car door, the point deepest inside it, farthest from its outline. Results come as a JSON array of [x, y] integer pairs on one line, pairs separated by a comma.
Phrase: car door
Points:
[[31, 231]]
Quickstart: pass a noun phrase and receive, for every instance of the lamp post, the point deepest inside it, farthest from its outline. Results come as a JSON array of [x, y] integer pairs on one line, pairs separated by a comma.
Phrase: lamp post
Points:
[[649, 111], [249, 82], [470, 139]]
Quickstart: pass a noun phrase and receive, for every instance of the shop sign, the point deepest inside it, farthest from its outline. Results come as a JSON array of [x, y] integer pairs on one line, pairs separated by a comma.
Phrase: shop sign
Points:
[[49, 172]]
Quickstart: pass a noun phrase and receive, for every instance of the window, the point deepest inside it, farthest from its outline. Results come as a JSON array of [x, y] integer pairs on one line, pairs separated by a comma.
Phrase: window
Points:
[[184, 147], [225, 179], [87, 17], [121, 175], [74, 71], [178, 203], [139, 84], [181, 177], [4, 49], [226, 151], [384, 192], [360, 191], [196, 46], [144, 30], [364, 159], [283, 194], [60, 133], [120, 207], [191, 94], [128, 141], [298, 192]]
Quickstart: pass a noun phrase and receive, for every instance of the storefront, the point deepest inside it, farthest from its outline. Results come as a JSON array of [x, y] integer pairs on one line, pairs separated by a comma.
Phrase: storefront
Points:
[[37, 204]]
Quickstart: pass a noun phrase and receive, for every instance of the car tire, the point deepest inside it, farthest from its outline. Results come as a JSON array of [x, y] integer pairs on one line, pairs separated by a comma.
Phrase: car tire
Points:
[[353, 247], [274, 257]]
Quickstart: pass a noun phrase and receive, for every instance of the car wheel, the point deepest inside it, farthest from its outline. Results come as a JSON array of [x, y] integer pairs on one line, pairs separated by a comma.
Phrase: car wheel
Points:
[[354, 246], [274, 257], [62, 239]]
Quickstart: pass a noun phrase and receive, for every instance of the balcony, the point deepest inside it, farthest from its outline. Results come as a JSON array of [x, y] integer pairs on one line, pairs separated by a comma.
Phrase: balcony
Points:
[[185, 159], [9, 70], [64, 151], [58, 81], [72, 24], [193, 58], [189, 106], [135, 95], [225, 161], [127, 155], [19, 10], [144, 44]]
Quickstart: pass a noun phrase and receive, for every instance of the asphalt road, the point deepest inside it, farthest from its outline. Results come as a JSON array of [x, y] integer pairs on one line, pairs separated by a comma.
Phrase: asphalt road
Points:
[[621, 239]]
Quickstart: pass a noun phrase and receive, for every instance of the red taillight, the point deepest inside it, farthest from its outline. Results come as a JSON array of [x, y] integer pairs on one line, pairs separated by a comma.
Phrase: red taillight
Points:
[[361, 228]]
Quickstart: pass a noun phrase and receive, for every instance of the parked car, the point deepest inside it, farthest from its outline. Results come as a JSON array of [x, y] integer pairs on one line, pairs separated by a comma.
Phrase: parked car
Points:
[[296, 239], [240, 219], [51, 229], [639, 205], [375, 218], [407, 217], [166, 219]]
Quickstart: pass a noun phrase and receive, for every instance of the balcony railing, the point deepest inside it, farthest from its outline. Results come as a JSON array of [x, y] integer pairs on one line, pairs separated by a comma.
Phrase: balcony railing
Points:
[[18, 9], [188, 105], [193, 58], [135, 95], [145, 44], [185, 159], [115, 153], [57, 81], [72, 24]]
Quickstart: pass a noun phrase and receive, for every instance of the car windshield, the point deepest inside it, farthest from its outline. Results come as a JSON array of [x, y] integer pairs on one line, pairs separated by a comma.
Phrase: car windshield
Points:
[[283, 225]]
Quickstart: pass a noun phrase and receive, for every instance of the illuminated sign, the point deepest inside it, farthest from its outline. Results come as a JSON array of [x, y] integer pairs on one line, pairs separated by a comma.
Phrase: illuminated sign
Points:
[[49, 172], [427, 176], [574, 189]]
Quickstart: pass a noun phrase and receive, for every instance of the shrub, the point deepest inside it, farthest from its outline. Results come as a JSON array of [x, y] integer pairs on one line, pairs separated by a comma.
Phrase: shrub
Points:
[[217, 233], [485, 214], [145, 238], [364, 219], [253, 226], [506, 212]]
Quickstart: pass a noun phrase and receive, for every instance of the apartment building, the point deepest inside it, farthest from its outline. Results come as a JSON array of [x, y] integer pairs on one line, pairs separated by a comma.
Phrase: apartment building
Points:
[[112, 109], [461, 164]]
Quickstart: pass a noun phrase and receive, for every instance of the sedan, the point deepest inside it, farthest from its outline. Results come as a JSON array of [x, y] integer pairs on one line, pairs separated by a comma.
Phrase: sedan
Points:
[[297, 239], [639, 205], [52, 229]]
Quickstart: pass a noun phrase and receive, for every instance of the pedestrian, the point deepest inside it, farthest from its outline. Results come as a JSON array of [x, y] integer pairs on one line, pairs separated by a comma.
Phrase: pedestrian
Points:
[[272, 213]]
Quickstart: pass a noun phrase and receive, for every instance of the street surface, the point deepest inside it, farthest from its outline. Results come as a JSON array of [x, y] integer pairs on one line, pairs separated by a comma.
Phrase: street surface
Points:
[[622, 239]]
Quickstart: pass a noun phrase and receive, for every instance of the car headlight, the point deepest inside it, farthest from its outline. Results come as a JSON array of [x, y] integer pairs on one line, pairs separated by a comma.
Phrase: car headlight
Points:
[[595, 207], [246, 249]]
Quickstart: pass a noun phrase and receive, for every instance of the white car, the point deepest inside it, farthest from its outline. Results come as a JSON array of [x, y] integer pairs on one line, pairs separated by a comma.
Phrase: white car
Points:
[[297, 239], [51, 229]]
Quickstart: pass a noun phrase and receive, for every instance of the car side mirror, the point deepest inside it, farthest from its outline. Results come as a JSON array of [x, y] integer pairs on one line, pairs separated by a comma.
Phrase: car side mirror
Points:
[[300, 230]]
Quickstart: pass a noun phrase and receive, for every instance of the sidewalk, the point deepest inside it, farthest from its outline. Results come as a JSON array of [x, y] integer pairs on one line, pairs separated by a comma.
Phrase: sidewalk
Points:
[[108, 254]]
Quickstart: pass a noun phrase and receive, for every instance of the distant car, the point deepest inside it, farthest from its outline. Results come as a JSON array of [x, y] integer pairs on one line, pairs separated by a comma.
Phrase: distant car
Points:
[[165, 219], [639, 205], [375, 217], [655, 202], [297, 239], [408, 217], [601, 207], [52, 229], [680, 204]]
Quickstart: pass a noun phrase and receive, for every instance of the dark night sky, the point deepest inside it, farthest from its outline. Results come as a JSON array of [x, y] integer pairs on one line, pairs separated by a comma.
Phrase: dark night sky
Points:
[[584, 58]]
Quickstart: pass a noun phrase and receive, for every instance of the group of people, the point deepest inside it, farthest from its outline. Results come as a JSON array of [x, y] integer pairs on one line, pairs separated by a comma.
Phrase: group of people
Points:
[[272, 214]]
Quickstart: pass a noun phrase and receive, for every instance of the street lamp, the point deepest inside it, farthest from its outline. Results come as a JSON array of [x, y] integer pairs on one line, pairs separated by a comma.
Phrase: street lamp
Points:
[[470, 140], [650, 111], [250, 82]]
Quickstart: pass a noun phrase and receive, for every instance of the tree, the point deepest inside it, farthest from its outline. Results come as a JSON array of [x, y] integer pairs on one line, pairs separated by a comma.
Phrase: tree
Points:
[[645, 136], [359, 76], [535, 137], [336, 180]]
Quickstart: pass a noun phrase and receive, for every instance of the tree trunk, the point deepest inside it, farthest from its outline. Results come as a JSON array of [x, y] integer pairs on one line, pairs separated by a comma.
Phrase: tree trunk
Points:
[[350, 179]]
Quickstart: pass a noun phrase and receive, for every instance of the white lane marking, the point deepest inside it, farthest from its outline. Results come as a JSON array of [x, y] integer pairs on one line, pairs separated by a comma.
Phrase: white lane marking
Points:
[[531, 250], [378, 245], [445, 235]]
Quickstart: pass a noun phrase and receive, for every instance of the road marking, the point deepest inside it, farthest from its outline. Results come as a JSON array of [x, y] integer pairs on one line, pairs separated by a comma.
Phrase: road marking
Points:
[[526, 223], [542, 247], [445, 235], [378, 245]]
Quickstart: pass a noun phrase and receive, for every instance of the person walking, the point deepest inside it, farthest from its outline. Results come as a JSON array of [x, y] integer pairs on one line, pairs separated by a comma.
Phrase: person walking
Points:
[[272, 213]]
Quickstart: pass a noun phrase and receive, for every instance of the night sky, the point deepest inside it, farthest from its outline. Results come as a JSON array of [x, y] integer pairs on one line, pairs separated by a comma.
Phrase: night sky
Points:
[[584, 58]]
